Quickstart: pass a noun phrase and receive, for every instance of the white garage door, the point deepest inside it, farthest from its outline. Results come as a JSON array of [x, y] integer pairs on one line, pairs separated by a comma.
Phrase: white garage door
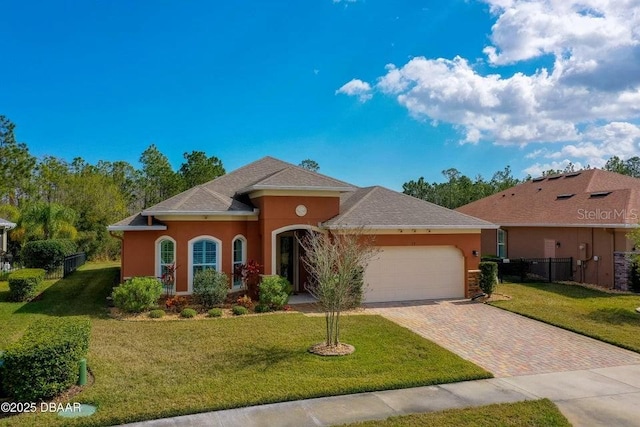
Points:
[[403, 273]]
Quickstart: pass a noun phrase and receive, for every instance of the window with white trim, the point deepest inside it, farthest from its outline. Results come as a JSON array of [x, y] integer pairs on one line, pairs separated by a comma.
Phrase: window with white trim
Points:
[[167, 255], [239, 255], [204, 255], [502, 244]]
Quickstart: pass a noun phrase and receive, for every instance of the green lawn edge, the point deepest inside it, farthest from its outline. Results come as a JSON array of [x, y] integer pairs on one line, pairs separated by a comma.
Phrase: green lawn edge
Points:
[[531, 413], [566, 323]]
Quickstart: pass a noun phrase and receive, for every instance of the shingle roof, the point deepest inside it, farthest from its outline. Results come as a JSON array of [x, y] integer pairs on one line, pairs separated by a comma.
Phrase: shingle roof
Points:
[[373, 207], [380, 208], [137, 222], [590, 197], [221, 194]]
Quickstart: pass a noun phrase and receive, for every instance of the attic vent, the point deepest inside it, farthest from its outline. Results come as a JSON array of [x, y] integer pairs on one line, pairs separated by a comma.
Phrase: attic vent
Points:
[[599, 194], [551, 178], [571, 175], [565, 196], [540, 178]]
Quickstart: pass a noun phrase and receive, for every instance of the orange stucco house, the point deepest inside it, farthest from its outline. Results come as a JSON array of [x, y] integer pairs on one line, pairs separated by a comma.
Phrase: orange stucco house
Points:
[[583, 215], [256, 212]]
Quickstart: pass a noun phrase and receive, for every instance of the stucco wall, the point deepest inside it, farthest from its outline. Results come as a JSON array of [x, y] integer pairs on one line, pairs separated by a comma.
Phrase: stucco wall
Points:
[[529, 242]]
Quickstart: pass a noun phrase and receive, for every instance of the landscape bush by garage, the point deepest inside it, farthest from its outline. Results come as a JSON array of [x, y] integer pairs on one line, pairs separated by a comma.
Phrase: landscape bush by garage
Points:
[[44, 362], [274, 292], [137, 294], [210, 287], [23, 284], [488, 277], [47, 254]]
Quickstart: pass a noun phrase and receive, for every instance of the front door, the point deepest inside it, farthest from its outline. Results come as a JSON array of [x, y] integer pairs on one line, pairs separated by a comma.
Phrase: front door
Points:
[[287, 258]]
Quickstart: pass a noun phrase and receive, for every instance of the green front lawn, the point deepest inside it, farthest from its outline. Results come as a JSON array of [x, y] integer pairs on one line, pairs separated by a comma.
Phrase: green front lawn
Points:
[[601, 315], [536, 413], [152, 369]]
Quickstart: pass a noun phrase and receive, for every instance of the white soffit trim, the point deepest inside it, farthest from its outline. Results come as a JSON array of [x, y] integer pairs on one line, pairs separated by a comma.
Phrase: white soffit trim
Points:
[[136, 227]]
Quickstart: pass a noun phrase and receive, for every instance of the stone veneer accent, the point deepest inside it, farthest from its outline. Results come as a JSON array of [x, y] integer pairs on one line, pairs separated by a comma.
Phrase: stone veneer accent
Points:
[[622, 270], [473, 279]]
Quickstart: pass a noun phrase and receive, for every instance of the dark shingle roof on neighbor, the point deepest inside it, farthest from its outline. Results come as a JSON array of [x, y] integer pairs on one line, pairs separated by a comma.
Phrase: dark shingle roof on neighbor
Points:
[[585, 198], [371, 207]]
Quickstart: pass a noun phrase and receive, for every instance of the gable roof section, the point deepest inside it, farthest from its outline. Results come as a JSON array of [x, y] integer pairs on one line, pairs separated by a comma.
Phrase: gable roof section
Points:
[[296, 178], [220, 196], [381, 208], [589, 198]]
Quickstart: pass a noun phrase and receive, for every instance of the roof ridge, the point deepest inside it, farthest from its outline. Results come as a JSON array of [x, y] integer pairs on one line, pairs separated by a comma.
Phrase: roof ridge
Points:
[[218, 196]]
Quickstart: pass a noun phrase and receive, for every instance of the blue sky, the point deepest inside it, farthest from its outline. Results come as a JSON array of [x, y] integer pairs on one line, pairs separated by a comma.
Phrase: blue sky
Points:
[[377, 92]]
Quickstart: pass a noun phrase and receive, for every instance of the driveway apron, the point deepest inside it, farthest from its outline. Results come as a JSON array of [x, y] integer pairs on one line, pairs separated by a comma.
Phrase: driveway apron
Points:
[[504, 343]]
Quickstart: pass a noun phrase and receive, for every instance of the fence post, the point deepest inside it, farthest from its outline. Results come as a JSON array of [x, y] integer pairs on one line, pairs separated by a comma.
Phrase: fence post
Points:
[[550, 270]]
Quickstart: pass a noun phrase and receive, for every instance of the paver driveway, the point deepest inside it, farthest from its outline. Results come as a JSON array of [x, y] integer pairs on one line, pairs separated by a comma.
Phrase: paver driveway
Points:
[[506, 344]]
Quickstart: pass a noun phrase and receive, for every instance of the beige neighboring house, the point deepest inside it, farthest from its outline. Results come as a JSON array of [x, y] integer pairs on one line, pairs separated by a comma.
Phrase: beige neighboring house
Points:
[[585, 215]]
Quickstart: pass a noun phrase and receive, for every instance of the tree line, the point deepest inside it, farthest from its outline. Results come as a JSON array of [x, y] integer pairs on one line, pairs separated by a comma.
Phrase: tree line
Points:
[[51, 197], [458, 189]]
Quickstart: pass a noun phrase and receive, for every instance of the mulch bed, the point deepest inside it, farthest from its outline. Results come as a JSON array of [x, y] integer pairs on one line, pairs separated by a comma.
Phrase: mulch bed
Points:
[[322, 349]]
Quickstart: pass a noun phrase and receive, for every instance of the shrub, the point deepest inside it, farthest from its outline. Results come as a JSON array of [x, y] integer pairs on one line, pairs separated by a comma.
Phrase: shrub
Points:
[[137, 294], [156, 314], [2, 392], [274, 292], [210, 287], [44, 362], [215, 312], [23, 284], [488, 277], [239, 310], [245, 301], [188, 313], [176, 304], [262, 308], [634, 276], [47, 254]]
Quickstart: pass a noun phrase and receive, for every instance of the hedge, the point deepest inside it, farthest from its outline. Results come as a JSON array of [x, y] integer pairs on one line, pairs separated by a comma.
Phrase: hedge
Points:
[[47, 254], [45, 361], [23, 284], [137, 294]]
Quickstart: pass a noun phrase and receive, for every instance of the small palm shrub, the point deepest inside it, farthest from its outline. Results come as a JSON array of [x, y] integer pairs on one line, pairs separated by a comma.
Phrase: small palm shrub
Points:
[[188, 313], [239, 310], [137, 294], [210, 287]]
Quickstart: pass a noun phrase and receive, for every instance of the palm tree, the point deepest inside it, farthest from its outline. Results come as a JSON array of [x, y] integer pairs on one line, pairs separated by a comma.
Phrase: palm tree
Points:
[[47, 221]]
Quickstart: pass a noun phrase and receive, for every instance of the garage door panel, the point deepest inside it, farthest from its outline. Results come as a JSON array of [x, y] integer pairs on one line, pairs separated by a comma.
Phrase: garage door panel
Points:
[[402, 273]]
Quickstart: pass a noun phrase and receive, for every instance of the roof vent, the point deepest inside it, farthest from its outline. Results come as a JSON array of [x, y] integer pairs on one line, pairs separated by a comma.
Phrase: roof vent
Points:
[[565, 196], [572, 174], [599, 194], [540, 178], [551, 178]]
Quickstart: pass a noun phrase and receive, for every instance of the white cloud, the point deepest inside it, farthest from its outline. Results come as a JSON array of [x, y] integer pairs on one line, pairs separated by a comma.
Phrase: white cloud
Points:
[[345, 1], [356, 87], [538, 168], [587, 103]]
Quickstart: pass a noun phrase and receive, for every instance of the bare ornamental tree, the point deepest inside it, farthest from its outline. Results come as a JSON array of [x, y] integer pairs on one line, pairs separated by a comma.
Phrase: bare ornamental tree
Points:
[[336, 263]]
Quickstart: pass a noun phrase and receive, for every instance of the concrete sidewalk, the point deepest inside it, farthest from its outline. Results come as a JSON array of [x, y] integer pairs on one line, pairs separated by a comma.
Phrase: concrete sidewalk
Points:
[[594, 397]]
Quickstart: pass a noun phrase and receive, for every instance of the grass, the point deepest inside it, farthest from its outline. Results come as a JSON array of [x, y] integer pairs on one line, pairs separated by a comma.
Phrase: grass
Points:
[[148, 369], [605, 316], [542, 413]]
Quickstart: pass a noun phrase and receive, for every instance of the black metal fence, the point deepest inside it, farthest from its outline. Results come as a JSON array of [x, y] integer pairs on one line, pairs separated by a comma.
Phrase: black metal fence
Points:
[[534, 269], [69, 265]]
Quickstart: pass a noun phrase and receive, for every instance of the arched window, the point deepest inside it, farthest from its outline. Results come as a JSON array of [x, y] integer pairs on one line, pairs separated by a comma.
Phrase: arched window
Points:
[[205, 255], [239, 257], [165, 255]]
